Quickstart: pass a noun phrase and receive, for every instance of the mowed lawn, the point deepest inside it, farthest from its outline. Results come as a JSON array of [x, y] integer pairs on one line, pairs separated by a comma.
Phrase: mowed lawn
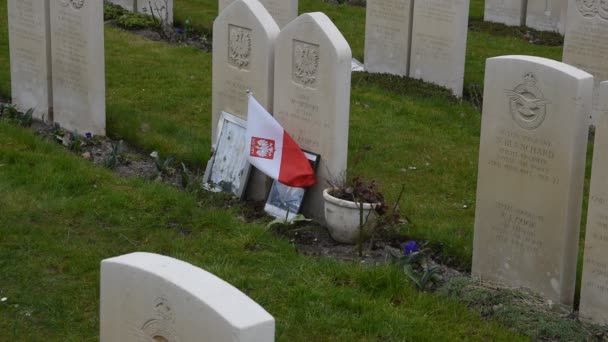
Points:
[[60, 216], [159, 98]]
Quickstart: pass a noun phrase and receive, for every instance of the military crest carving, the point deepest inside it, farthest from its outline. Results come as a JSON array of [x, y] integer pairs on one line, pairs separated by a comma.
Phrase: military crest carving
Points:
[[305, 66], [239, 46], [527, 104], [593, 8]]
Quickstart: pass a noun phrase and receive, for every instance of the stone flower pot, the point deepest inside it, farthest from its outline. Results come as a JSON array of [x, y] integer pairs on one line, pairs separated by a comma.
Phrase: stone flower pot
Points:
[[342, 218]]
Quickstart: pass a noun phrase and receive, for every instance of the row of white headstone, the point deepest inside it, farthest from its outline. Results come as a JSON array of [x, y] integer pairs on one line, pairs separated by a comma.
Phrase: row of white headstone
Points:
[[422, 39], [532, 156], [57, 61], [542, 15], [584, 23], [150, 297], [300, 73]]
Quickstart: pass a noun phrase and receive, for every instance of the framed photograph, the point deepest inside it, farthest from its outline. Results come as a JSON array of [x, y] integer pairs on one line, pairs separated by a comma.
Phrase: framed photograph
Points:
[[228, 169], [284, 201]]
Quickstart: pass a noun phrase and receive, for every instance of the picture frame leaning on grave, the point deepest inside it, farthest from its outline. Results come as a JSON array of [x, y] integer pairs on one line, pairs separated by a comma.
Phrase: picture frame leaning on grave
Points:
[[228, 168]]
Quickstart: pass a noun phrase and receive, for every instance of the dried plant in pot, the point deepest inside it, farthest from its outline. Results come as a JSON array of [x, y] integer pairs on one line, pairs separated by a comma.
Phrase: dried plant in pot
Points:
[[351, 210]]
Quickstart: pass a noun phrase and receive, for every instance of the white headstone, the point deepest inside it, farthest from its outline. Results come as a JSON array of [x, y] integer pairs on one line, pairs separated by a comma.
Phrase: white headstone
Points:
[[312, 96], [162, 9], [150, 297], [221, 4], [508, 12], [594, 286], [387, 36], [77, 35], [586, 41], [244, 35], [531, 174], [283, 11], [243, 58], [547, 15], [439, 42], [30, 56], [126, 4]]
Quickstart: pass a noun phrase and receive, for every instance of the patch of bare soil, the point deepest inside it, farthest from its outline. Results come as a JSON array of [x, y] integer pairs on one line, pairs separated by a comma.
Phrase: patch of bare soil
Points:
[[129, 161], [316, 241]]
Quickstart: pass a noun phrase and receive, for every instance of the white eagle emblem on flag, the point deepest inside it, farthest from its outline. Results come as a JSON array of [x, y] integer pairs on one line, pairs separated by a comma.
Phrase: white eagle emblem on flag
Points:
[[262, 148]]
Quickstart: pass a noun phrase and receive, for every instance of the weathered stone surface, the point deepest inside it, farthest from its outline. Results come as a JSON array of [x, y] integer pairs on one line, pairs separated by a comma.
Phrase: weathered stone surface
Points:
[[77, 33], [387, 36], [547, 15], [531, 174], [586, 41], [283, 11], [30, 55], [594, 286], [159, 8], [312, 96], [439, 42], [508, 12], [150, 297], [244, 35], [221, 4]]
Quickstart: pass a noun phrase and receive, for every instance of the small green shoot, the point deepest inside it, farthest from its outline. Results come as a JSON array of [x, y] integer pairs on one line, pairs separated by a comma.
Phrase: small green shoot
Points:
[[165, 166], [113, 159], [27, 118]]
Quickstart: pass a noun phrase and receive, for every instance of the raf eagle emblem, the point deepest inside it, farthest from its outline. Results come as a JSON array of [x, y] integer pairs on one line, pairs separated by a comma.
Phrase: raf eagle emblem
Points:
[[527, 103]]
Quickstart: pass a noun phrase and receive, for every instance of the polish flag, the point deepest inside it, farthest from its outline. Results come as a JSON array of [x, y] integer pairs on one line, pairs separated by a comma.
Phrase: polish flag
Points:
[[273, 151]]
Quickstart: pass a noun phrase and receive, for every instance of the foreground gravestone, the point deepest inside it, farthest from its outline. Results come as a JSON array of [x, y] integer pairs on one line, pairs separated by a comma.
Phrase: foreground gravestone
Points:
[[312, 97], [387, 36], [547, 15], [586, 41], [78, 65], [594, 286], [221, 4], [508, 12], [439, 42], [531, 174], [150, 297], [30, 56], [282, 11], [244, 35], [162, 9]]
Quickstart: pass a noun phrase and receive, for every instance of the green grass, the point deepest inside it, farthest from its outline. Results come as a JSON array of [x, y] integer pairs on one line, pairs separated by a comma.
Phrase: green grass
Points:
[[523, 309], [61, 216], [159, 98]]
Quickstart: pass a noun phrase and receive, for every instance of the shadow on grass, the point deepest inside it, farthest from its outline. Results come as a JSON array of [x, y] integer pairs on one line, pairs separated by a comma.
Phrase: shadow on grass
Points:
[[525, 33]]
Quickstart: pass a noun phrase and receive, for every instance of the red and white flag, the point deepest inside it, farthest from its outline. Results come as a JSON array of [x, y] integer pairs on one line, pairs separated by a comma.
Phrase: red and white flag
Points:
[[273, 151]]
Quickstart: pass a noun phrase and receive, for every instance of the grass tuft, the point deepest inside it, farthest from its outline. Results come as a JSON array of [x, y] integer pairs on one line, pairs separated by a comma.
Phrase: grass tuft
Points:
[[521, 310]]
